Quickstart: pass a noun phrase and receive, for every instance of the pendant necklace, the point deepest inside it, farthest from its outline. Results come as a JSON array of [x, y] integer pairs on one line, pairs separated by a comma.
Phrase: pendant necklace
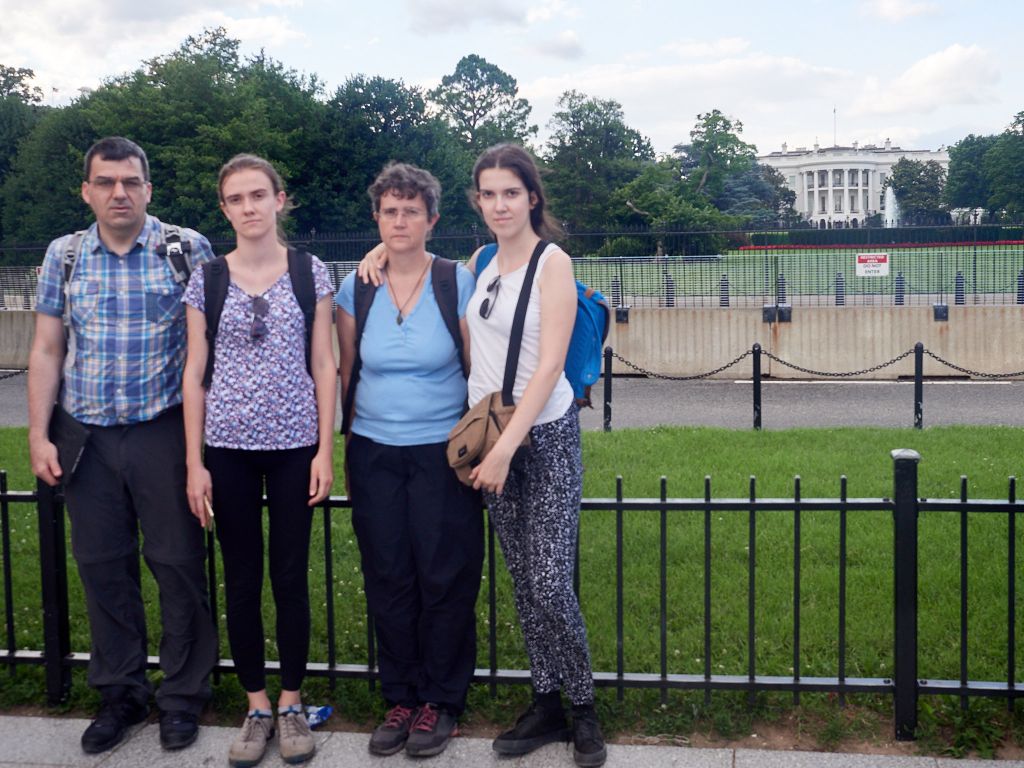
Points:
[[401, 308]]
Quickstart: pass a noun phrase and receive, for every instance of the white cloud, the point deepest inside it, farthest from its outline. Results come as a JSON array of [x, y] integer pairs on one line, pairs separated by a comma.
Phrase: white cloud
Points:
[[552, 9], [696, 49], [956, 75], [897, 10], [439, 16], [91, 41], [662, 99], [564, 46]]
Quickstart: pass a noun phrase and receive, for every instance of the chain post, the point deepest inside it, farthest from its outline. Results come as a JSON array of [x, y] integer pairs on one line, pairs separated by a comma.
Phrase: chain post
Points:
[[756, 349], [608, 389], [918, 385]]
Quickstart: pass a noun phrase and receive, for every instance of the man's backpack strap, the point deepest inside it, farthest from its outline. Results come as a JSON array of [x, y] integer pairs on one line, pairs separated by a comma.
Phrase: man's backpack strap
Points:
[[446, 293], [177, 251], [363, 296], [215, 291], [69, 261], [300, 270]]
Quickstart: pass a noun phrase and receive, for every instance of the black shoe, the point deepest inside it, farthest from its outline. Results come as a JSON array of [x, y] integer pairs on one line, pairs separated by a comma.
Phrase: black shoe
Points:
[[587, 741], [112, 720], [178, 729], [430, 731], [543, 723]]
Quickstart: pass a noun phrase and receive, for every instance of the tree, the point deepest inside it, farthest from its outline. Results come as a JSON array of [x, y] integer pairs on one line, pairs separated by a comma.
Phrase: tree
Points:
[[715, 151], [481, 102], [967, 183], [14, 82], [591, 153], [760, 196], [1004, 167], [918, 187]]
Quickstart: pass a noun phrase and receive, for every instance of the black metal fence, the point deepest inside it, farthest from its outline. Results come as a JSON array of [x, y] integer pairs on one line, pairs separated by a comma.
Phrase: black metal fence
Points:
[[904, 511], [644, 268]]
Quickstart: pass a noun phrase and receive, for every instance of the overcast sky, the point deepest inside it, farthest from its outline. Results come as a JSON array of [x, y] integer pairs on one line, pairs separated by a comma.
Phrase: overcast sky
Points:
[[923, 73]]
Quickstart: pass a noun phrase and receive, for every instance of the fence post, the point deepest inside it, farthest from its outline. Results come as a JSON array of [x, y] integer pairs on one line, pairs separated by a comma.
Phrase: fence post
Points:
[[607, 389], [780, 289], [616, 291], [757, 385], [918, 385], [1020, 287], [668, 291], [960, 289], [723, 291], [840, 290], [900, 289], [905, 463], [53, 569]]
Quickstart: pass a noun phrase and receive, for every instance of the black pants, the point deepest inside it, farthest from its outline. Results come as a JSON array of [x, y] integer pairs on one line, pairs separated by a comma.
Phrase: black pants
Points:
[[131, 477], [238, 478], [420, 535]]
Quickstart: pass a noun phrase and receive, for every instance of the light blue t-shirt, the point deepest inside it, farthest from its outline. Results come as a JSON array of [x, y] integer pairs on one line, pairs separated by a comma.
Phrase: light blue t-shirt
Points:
[[411, 390]]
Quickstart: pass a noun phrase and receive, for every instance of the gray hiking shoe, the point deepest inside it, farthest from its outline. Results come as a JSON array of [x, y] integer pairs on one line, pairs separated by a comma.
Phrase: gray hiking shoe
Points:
[[390, 736], [251, 742], [294, 739]]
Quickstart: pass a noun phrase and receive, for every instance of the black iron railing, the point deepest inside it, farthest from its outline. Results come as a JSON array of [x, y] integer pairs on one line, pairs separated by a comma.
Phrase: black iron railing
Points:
[[905, 508]]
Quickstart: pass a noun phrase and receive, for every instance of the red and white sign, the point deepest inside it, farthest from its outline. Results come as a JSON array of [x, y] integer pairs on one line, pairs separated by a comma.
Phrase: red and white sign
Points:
[[872, 264]]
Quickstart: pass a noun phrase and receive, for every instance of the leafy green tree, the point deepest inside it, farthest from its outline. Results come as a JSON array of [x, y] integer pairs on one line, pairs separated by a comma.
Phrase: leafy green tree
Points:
[[374, 120], [1004, 167], [14, 82], [918, 187], [760, 196], [481, 102], [591, 153], [41, 195], [715, 152], [967, 183]]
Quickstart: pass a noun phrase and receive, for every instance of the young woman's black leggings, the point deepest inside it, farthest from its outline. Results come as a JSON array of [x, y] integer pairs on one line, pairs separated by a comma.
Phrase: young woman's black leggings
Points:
[[238, 478]]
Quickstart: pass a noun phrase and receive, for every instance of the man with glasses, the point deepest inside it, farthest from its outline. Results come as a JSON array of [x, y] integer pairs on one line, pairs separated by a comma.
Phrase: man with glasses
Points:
[[116, 371]]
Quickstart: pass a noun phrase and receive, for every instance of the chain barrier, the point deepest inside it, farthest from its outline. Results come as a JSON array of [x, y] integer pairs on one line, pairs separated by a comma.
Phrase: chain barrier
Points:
[[11, 374], [969, 372], [840, 374], [666, 377]]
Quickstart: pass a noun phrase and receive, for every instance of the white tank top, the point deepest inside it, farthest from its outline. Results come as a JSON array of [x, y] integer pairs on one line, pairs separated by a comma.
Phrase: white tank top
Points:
[[489, 339]]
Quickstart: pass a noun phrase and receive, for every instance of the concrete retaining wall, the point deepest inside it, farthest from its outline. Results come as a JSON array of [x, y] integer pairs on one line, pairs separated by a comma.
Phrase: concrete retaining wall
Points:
[[683, 342]]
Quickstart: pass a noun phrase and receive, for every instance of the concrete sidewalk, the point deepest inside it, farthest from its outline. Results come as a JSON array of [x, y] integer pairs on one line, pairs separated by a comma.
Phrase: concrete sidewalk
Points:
[[35, 742]]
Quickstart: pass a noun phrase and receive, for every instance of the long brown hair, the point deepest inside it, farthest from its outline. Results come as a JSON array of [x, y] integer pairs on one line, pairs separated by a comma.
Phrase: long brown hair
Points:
[[516, 159]]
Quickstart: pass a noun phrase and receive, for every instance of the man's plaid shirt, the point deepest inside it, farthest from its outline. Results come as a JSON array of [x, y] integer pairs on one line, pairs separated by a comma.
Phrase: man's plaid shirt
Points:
[[128, 322]]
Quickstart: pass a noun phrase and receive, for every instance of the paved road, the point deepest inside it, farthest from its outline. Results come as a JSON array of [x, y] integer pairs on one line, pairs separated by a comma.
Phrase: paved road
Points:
[[649, 402]]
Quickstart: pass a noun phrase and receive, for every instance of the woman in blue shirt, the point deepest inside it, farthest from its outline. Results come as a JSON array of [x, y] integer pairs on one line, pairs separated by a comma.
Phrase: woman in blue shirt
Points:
[[420, 531]]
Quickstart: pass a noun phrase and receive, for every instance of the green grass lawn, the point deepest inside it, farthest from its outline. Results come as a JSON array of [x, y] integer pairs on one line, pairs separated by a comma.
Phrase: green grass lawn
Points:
[[990, 269], [986, 455]]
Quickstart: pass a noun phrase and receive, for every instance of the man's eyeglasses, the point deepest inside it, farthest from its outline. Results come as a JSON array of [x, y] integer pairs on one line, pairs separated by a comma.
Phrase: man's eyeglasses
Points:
[[487, 305], [131, 184], [260, 307], [392, 214]]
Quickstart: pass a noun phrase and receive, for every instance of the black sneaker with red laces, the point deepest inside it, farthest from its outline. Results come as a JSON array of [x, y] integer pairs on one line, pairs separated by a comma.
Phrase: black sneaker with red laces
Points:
[[431, 731], [389, 737]]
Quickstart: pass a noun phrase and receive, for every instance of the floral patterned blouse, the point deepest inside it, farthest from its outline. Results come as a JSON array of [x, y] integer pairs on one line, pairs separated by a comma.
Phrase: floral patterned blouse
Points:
[[261, 397]]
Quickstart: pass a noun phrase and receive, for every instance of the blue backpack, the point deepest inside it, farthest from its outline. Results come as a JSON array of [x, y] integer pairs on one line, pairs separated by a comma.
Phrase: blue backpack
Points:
[[586, 346]]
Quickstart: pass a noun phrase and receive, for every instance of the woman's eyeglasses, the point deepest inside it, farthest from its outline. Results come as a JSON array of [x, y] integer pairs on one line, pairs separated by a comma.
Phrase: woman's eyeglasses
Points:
[[487, 305], [260, 307]]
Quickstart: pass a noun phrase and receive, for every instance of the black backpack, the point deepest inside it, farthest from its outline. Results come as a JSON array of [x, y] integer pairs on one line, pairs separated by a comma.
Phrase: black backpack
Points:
[[446, 292], [215, 289]]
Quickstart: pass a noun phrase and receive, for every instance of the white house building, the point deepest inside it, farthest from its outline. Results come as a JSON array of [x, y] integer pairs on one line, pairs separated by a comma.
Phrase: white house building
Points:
[[841, 186]]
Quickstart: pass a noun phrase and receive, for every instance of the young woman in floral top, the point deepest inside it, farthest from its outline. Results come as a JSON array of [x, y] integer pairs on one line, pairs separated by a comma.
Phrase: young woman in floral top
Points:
[[265, 419]]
